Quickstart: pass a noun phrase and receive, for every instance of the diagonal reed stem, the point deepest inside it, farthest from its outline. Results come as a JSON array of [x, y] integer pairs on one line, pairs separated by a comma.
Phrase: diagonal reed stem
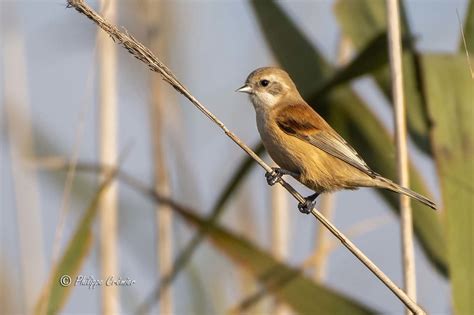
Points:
[[143, 54]]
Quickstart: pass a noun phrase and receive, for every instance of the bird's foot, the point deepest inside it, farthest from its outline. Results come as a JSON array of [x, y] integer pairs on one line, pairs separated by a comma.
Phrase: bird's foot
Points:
[[275, 175], [308, 204]]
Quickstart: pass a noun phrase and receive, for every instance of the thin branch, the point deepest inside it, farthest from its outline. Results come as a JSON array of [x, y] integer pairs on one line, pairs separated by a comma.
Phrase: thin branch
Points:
[[395, 54], [145, 55]]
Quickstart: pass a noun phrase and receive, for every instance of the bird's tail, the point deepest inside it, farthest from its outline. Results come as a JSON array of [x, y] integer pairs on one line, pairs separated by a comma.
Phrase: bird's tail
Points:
[[388, 184]]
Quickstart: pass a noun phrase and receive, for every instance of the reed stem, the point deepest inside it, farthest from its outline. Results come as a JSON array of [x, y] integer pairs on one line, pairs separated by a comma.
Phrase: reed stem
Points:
[[395, 54], [108, 125]]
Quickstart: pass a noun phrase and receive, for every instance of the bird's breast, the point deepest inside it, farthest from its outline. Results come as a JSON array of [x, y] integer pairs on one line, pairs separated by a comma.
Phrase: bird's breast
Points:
[[278, 144]]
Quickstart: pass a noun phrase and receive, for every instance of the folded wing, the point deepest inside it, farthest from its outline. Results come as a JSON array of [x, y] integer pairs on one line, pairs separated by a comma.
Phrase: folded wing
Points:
[[301, 121]]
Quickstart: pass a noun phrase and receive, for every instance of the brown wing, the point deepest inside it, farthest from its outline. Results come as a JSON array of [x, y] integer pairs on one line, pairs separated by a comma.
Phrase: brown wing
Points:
[[303, 122]]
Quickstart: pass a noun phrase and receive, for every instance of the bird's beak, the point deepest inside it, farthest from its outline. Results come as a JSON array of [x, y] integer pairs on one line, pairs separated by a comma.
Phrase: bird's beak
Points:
[[245, 89]]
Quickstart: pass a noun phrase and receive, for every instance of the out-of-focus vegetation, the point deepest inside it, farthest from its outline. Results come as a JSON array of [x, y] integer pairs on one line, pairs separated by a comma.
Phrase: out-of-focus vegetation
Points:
[[58, 287], [449, 92]]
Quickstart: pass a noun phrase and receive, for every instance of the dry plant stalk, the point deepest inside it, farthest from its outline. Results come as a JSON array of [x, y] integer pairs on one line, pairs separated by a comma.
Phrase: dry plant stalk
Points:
[[395, 52], [108, 120], [164, 218], [143, 54]]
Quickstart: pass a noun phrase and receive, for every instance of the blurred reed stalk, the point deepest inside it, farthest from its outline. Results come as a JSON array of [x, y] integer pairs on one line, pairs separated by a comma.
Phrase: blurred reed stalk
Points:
[[280, 233], [155, 15], [249, 229], [395, 53], [108, 121], [466, 51], [18, 120], [142, 53], [321, 251]]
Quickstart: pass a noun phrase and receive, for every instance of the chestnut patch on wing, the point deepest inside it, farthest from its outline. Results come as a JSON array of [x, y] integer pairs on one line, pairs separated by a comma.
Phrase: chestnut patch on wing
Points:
[[293, 126], [297, 120]]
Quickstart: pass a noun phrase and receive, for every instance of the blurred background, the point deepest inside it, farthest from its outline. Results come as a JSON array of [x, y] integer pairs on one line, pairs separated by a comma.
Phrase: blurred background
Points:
[[72, 100]]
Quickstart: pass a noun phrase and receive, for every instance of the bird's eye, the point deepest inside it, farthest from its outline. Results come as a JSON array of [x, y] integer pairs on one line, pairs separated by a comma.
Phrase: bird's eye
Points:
[[264, 82]]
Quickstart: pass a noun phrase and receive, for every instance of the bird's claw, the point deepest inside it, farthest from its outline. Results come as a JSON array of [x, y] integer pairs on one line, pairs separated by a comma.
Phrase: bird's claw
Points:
[[274, 176], [309, 202], [305, 207]]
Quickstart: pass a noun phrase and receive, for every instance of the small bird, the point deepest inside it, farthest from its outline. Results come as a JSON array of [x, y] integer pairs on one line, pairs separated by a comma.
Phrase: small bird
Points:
[[303, 144]]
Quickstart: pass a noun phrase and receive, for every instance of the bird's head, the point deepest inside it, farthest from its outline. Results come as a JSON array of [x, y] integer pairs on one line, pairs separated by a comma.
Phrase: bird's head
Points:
[[269, 86]]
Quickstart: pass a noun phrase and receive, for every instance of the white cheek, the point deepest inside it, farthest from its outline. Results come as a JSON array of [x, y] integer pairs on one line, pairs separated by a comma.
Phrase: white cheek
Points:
[[264, 100], [269, 99]]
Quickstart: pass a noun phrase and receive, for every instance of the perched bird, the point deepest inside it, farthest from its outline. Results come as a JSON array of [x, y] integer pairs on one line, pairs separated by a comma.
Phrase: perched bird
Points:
[[304, 145]]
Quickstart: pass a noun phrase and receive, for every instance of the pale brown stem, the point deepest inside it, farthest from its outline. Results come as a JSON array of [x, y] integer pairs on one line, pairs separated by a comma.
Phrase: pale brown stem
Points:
[[280, 234], [108, 121], [395, 52], [322, 248], [164, 236], [145, 55]]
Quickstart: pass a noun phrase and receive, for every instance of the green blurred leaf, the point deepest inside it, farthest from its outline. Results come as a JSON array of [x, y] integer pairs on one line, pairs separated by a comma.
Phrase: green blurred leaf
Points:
[[347, 113], [301, 293], [468, 29], [372, 57], [450, 95], [54, 295], [362, 21]]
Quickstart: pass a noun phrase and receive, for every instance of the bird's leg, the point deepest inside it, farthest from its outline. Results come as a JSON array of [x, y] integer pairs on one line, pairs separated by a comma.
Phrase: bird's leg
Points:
[[275, 175], [308, 204]]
